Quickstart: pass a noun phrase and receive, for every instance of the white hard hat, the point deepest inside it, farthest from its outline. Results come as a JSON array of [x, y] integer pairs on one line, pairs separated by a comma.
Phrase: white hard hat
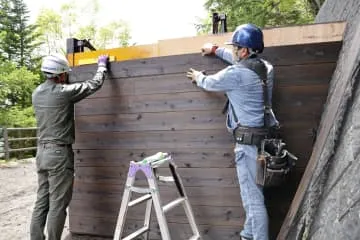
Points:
[[55, 64]]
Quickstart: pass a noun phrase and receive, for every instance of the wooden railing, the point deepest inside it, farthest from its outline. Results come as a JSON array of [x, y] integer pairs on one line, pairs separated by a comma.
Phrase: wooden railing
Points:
[[7, 140]]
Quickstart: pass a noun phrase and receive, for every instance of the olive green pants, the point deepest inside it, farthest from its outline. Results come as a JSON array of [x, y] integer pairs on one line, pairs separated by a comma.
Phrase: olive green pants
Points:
[[55, 170]]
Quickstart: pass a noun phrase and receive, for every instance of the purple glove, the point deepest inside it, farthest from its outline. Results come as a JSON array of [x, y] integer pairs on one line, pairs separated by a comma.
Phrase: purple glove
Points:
[[103, 61]]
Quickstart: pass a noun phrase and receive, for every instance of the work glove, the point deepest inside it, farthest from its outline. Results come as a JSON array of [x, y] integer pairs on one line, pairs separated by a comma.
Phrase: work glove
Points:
[[208, 49], [192, 74], [103, 62]]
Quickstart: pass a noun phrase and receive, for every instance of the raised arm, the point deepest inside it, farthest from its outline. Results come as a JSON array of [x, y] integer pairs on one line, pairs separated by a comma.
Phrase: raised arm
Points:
[[79, 91]]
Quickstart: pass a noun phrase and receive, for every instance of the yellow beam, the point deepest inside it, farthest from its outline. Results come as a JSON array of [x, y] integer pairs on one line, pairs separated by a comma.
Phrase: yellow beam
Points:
[[116, 54], [282, 36]]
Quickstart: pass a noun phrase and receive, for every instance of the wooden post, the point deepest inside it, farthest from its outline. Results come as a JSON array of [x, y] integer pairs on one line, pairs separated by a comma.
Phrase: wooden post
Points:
[[21, 144], [6, 144]]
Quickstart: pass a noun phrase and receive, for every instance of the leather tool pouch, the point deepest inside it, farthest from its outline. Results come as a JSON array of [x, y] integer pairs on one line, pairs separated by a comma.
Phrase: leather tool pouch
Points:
[[273, 163]]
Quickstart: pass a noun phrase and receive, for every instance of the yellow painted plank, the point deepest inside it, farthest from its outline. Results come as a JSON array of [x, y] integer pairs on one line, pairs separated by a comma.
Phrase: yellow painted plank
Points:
[[120, 54]]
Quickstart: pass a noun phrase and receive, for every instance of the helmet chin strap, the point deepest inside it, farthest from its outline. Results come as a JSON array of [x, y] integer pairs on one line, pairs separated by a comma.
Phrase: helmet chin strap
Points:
[[57, 78]]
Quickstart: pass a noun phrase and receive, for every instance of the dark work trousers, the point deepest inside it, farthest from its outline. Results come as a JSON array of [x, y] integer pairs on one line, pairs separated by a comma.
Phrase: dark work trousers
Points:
[[55, 170]]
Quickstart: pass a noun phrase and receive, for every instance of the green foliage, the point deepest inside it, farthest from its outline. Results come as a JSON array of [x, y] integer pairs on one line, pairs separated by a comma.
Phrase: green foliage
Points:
[[315, 5], [17, 117], [264, 13], [17, 85], [18, 39], [111, 35], [55, 27], [69, 19], [114, 34], [7, 36], [50, 30]]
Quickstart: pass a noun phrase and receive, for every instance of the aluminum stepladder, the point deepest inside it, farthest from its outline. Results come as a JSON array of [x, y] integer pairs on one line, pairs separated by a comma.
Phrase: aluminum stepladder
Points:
[[152, 196]]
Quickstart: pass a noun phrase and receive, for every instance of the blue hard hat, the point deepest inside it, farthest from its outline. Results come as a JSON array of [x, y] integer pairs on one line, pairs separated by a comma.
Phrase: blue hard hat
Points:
[[248, 35]]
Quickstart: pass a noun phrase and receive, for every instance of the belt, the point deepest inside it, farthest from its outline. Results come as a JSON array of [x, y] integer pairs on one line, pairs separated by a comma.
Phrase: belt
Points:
[[250, 135], [54, 145]]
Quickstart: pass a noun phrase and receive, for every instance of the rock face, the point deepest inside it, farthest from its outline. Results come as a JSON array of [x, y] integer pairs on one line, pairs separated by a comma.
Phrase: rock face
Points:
[[330, 209]]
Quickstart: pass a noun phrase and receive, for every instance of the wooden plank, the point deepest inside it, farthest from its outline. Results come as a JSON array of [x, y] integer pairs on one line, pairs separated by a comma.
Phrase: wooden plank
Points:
[[307, 120], [284, 97], [108, 208], [199, 100], [303, 75], [306, 74], [300, 93], [154, 140], [170, 121], [292, 104], [161, 141], [283, 36], [194, 177], [278, 56], [150, 66], [106, 227], [210, 196], [298, 139], [183, 157]]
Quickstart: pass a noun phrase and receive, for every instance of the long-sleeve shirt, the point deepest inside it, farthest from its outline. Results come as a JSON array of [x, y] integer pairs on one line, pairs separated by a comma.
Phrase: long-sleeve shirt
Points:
[[244, 90], [54, 107]]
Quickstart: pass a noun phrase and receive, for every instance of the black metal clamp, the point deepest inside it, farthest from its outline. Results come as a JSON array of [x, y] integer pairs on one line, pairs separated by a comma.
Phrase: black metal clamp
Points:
[[216, 19], [74, 45]]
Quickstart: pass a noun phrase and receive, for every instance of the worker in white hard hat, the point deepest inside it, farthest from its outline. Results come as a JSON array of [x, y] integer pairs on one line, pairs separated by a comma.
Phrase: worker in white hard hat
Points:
[[53, 101]]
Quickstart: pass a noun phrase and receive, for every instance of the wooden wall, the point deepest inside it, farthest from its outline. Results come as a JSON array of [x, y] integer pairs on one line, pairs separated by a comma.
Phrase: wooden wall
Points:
[[148, 105]]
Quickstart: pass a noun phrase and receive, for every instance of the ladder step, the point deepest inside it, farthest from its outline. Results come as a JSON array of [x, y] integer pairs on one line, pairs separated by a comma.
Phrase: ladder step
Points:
[[172, 204], [160, 162], [137, 233], [195, 237], [140, 190], [166, 178], [139, 200]]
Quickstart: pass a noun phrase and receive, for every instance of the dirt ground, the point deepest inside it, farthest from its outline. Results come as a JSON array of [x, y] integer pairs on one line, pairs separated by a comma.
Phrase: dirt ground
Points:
[[17, 197]]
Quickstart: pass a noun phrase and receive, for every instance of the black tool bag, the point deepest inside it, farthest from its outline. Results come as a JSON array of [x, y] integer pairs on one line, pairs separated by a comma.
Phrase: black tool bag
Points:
[[274, 162]]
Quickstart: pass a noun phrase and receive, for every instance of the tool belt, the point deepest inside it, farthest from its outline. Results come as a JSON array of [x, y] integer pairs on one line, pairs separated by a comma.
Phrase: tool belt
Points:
[[250, 135], [274, 162], [49, 144]]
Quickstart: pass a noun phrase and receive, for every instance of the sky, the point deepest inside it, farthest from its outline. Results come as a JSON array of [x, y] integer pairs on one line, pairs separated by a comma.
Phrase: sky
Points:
[[149, 20]]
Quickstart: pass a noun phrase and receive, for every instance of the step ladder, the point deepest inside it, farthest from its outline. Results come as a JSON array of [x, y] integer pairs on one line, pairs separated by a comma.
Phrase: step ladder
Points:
[[149, 166]]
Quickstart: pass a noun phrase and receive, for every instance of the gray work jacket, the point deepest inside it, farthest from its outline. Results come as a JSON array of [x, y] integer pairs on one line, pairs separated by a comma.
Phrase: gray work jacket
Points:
[[54, 107]]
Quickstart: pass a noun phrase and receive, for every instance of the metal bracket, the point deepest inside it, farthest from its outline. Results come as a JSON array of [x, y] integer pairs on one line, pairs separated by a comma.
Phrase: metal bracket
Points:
[[216, 18], [74, 45]]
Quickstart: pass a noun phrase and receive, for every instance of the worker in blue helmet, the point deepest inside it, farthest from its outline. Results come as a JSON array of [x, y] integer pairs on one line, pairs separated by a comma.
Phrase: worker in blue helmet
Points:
[[243, 83]]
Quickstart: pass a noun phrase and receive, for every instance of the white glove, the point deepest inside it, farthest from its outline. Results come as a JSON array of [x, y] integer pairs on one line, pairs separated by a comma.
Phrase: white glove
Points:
[[208, 49]]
